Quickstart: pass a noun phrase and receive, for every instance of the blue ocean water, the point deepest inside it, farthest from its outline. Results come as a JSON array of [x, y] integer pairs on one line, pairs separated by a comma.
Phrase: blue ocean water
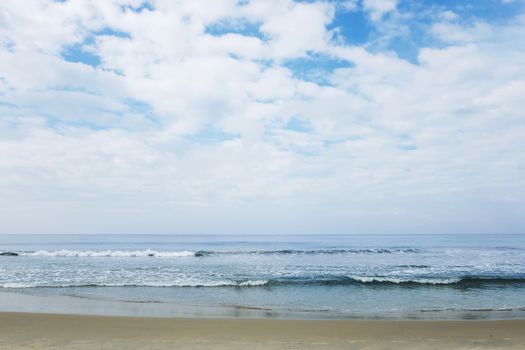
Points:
[[354, 276]]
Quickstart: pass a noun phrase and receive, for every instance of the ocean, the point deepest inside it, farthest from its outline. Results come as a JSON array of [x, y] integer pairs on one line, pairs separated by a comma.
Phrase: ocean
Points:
[[321, 277]]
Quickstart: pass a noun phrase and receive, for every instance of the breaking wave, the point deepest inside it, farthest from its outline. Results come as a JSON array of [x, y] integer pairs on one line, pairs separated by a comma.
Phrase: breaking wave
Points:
[[461, 282], [202, 253], [110, 253]]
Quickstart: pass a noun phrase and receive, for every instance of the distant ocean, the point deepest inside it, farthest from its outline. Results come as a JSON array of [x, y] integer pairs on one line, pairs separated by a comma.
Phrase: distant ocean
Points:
[[325, 276]]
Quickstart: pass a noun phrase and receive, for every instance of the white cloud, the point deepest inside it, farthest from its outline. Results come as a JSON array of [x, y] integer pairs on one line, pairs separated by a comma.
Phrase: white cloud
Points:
[[298, 29], [378, 8], [349, 5], [449, 15], [456, 33], [178, 127]]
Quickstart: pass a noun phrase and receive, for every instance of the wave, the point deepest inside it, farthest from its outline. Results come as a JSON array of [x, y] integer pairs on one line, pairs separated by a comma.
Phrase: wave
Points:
[[202, 253], [110, 253], [189, 283], [310, 251], [459, 282], [465, 282]]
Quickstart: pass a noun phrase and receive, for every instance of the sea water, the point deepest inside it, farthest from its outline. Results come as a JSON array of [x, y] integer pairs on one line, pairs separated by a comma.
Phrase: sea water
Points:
[[324, 276]]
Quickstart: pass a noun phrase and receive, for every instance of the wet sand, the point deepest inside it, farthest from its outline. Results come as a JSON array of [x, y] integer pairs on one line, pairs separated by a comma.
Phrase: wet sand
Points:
[[49, 331]]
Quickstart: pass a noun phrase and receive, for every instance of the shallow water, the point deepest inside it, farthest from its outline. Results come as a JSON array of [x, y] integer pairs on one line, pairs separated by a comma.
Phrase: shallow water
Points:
[[425, 276]]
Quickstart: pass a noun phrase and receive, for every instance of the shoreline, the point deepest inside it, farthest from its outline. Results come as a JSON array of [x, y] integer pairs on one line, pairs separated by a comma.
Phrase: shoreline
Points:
[[59, 331], [22, 302]]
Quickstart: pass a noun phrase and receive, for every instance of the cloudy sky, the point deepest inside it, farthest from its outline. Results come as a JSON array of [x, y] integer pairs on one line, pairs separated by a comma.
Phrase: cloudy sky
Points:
[[263, 116]]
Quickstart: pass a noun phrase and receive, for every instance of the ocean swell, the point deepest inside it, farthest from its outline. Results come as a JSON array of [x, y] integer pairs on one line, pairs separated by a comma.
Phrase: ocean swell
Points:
[[465, 281], [460, 282], [202, 253]]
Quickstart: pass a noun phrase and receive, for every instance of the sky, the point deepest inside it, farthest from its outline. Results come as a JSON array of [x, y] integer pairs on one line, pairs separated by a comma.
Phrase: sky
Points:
[[262, 117]]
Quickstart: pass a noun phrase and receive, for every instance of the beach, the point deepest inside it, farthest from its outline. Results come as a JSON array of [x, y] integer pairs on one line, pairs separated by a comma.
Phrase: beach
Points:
[[53, 331], [278, 292]]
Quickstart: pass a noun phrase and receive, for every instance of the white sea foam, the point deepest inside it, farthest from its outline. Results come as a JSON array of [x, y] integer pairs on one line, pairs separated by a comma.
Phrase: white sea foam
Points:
[[368, 279], [181, 283], [253, 283], [18, 285], [111, 253]]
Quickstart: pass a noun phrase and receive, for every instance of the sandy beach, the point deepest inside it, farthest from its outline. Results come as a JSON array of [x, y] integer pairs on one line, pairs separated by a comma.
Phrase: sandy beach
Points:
[[49, 331]]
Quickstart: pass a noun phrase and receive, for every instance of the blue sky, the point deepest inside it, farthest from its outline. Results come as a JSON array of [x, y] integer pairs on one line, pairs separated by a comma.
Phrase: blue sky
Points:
[[359, 116]]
